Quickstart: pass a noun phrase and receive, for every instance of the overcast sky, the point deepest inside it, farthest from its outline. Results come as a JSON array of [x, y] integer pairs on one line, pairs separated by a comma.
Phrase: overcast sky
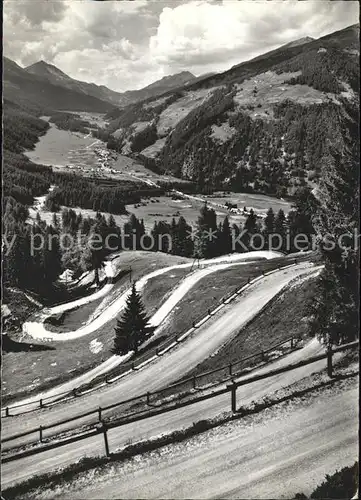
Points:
[[129, 44]]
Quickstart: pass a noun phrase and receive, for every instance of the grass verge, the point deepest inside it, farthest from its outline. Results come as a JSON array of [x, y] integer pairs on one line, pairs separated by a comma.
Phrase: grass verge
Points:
[[285, 316]]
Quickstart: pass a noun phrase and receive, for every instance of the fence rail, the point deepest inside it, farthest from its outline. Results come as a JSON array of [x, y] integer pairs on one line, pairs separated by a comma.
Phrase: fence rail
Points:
[[102, 427], [146, 396], [150, 355]]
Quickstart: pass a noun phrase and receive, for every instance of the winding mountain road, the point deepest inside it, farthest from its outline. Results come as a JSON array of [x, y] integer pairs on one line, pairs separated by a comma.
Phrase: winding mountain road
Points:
[[165, 370], [37, 328]]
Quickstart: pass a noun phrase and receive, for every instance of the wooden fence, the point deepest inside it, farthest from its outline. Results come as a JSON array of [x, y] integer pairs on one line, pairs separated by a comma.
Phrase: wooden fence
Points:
[[102, 427]]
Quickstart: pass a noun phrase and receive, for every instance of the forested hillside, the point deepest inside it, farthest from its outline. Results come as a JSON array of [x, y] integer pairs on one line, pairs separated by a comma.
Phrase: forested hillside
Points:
[[265, 125]]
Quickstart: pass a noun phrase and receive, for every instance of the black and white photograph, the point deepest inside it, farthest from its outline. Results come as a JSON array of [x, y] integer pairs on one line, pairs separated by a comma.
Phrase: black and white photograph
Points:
[[180, 249]]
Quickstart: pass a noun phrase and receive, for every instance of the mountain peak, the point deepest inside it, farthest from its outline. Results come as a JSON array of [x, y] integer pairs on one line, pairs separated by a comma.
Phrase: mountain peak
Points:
[[170, 81], [42, 68], [299, 41]]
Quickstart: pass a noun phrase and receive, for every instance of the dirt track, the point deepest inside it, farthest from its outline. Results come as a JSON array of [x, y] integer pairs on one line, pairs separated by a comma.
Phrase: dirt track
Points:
[[275, 455]]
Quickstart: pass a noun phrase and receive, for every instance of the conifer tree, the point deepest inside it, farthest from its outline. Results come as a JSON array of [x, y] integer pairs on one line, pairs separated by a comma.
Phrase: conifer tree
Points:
[[182, 244], [335, 308], [300, 219], [280, 227], [206, 243], [225, 238], [269, 227], [250, 226], [132, 328]]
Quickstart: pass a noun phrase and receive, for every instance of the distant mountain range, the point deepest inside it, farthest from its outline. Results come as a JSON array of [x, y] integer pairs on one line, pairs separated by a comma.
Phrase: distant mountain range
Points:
[[159, 87]]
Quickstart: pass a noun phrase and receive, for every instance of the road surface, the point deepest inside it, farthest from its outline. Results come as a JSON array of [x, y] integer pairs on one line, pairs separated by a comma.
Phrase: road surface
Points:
[[37, 330], [158, 374], [273, 455]]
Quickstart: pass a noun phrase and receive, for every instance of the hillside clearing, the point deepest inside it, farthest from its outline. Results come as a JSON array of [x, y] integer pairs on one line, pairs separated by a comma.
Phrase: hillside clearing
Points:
[[174, 113]]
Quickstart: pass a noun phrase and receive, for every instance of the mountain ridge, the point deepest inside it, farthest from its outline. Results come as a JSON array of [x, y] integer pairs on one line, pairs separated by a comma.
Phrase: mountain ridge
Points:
[[274, 116], [58, 77]]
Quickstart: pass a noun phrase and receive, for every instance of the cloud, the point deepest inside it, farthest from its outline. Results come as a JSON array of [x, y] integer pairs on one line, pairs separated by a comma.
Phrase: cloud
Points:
[[126, 45], [34, 14], [197, 33]]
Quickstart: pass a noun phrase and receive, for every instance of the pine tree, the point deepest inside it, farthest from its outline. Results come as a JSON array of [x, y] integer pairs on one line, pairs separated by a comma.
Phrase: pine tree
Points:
[[134, 230], [335, 307], [206, 244], [300, 219], [55, 221], [280, 227], [269, 227], [95, 252], [132, 328], [250, 226], [225, 238], [182, 243]]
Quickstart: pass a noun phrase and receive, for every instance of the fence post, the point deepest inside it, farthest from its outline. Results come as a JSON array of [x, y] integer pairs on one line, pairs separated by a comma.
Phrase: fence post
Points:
[[329, 362], [263, 356], [194, 382], [209, 312], [193, 324], [291, 342], [230, 369], [148, 397], [106, 444], [7, 411], [100, 413], [41, 403], [233, 389], [41, 434], [74, 392]]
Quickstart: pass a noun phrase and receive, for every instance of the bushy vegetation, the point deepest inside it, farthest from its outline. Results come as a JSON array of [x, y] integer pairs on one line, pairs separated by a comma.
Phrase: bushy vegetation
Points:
[[71, 122], [21, 128], [139, 112], [341, 485], [145, 138], [22, 180], [323, 68], [276, 155]]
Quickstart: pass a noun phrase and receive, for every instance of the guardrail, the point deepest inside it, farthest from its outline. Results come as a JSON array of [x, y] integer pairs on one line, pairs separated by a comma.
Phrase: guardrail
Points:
[[102, 426], [152, 354], [230, 370]]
